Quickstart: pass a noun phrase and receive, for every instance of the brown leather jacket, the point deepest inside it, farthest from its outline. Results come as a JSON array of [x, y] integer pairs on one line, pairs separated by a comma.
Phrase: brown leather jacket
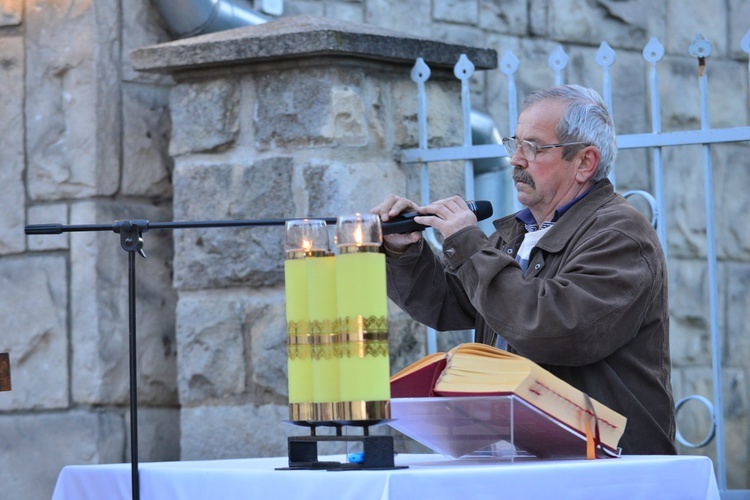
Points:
[[591, 308]]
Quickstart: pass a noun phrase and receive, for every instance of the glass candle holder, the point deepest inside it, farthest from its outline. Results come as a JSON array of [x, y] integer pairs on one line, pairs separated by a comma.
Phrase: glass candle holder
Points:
[[362, 309]]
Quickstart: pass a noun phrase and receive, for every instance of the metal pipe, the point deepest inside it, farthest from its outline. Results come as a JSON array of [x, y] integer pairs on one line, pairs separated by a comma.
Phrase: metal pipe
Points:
[[185, 18]]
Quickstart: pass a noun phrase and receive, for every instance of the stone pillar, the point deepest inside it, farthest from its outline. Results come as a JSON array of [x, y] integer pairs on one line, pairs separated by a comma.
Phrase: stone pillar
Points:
[[300, 117]]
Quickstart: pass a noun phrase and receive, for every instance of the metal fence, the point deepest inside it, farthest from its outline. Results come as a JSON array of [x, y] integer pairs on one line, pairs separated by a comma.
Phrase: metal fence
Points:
[[654, 141]]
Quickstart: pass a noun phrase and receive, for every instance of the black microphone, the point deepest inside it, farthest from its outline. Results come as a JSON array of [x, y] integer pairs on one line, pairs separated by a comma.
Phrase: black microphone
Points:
[[404, 223]]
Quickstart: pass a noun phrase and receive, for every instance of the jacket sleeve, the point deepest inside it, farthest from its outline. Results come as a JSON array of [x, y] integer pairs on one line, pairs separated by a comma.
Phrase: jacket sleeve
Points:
[[419, 284], [580, 312]]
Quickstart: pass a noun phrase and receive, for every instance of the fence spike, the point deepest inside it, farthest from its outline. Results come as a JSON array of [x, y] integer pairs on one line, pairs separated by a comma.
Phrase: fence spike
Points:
[[509, 63], [558, 61], [745, 43], [653, 51], [464, 68], [420, 72], [605, 56]]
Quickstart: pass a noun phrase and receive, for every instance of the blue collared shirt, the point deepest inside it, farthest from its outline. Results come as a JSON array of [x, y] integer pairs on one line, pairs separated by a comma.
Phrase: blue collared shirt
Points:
[[529, 221]]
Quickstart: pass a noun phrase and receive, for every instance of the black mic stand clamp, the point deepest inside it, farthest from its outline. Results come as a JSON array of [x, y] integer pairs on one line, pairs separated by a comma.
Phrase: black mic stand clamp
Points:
[[131, 234]]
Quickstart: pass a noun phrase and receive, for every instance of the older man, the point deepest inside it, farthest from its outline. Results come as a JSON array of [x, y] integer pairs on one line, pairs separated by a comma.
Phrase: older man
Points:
[[577, 281]]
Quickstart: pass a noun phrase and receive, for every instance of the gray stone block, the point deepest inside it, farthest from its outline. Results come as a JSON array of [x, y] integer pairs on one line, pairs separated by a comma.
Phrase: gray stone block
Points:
[[147, 168], [33, 305], [456, 11], [737, 344], [690, 330], [211, 345], [507, 16], [310, 107], [204, 116], [687, 18], [36, 447], [242, 431], [158, 435], [11, 12], [99, 302], [621, 24], [72, 106], [251, 256], [12, 190]]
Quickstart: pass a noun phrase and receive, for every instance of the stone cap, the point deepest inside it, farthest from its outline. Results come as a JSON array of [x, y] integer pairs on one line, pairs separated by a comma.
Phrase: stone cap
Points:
[[303, 37]]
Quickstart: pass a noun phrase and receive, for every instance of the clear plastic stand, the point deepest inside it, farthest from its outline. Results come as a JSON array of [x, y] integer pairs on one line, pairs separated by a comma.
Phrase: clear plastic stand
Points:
[[497, 427]]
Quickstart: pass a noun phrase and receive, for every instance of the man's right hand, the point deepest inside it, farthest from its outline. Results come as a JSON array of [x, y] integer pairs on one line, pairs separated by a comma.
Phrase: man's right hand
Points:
[[391, 207]]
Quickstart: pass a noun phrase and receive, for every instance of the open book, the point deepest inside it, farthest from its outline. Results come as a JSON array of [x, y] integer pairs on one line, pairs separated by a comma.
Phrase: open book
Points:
[[480, 370]]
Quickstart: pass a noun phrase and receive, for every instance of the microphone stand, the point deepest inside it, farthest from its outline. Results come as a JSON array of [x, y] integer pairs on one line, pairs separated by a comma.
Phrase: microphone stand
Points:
[[131, 240]]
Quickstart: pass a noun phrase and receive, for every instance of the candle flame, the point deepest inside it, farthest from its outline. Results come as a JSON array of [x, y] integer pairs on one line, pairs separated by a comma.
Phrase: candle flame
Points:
[[306, 245], [358, 236]]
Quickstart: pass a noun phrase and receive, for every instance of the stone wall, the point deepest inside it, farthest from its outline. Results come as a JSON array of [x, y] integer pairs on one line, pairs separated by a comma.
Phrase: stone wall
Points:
[[85, 138]]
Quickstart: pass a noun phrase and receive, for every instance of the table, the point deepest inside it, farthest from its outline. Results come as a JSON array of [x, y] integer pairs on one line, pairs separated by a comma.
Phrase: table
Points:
[[427, 476]]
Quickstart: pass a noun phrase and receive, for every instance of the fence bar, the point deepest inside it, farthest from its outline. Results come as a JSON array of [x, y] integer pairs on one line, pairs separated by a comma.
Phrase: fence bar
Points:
[[653, 52], [509, 66], [701, 49], [464, 69], [605, 57], [683, 138]]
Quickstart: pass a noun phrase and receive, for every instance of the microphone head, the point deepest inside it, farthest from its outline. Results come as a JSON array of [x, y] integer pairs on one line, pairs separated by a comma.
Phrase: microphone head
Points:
[[481, 208]]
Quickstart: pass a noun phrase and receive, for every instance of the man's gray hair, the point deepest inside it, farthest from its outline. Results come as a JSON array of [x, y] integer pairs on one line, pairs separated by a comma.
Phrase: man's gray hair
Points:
[[585, 119]]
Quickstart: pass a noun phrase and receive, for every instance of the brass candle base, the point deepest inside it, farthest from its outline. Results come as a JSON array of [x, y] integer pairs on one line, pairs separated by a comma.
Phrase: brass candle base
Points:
[[301, 412], [350, 411], [341, 413]]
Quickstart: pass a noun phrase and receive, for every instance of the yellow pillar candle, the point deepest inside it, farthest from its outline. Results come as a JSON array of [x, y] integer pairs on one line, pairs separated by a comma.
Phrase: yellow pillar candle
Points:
[[302, 240], [321, 300], [363, 319], [299, 360]]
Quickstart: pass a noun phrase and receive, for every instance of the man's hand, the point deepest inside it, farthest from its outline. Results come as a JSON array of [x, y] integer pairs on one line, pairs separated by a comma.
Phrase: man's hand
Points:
[[447, 216], [391, 207]]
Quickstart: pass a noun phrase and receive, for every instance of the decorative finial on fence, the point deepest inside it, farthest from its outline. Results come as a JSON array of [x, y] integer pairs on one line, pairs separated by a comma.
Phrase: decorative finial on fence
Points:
[[745, 43], [653, 51], [558, 61], [700, 48]]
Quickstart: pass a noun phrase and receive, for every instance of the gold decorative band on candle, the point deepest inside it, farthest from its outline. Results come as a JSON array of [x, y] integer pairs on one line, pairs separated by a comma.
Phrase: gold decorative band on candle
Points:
[[301, 412], [298, 347], [364, 349], [359, 249], [325, 327], [361, 325], [299, 339], [297, 328], [302, 352], [364, 337], [302, 254], [325, 347], [363, 410]]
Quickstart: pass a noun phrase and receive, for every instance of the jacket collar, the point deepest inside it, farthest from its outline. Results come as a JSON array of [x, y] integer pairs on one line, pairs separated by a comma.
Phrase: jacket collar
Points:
[[565, 227]]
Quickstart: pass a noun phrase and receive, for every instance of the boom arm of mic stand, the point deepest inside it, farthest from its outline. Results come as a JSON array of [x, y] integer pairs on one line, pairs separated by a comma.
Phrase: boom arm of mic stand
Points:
[[131, 240]]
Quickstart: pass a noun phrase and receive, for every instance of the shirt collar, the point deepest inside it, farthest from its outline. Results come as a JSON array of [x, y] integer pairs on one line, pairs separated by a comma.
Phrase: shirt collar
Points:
[[525, 216]]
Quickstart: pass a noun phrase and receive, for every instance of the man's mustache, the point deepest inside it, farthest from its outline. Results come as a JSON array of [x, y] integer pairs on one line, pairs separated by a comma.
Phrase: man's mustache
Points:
[[521, 175]]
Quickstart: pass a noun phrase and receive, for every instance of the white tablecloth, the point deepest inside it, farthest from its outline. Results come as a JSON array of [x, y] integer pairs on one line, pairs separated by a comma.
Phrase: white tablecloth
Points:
[[428, 476]]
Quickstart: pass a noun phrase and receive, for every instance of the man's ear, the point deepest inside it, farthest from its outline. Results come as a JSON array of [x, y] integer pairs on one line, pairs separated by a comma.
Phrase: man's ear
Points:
[[588, 162]]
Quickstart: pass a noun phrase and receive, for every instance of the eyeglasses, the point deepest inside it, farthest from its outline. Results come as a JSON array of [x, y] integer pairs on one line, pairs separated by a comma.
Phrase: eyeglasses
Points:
[[529, 149]]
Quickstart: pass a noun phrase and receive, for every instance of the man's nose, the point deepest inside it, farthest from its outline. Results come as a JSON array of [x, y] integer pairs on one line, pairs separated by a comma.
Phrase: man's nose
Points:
[[518, 160]]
